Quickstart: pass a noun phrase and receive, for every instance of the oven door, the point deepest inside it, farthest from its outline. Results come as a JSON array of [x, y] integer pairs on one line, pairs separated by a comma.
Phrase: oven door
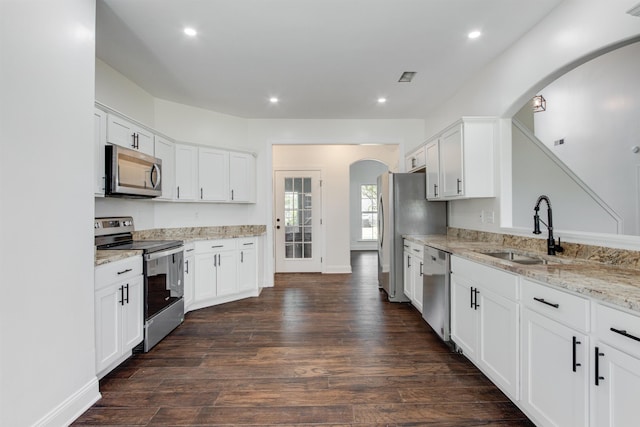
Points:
[[164, 280]]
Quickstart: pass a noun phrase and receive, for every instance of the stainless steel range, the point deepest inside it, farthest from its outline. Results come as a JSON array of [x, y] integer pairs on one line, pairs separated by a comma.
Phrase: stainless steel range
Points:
[[163, 275]]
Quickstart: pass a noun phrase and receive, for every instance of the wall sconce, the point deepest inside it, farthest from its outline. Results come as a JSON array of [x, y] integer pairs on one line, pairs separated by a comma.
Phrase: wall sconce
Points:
[[539, 103]]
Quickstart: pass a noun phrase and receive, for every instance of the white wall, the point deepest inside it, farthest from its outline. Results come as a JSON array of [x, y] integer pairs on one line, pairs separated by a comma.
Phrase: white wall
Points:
[[570, 35], [118, 92], [334, 163], [595, 108], [361, 173], [47, 360]]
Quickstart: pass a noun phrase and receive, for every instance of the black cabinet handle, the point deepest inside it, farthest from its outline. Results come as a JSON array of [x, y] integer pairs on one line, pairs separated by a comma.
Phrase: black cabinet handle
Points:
[[241, 256], [408, 261], [133, 140], [458, 182], [471, 295], [200, 192], [547, 302], [435, 190], [124, 271], [231, 194], [475, 304], [575, 343], [121, 289], [421, 273], [127, 299], [624, 333], [178, 192], [598, 378], [186, 264]]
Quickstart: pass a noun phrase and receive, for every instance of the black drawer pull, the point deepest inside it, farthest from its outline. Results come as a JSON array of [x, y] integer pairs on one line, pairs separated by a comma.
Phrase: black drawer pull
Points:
[[547, 302], [217, 246], [575, 343], [597, 356], [124, 271], [624, 333]]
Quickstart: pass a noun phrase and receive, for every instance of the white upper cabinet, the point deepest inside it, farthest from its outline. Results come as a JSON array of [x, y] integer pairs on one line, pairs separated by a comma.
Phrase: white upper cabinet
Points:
[[165, 150], [213, 174], [122, 132], [242, 177], [415, 160], [432, 155], [460, 160], [186, 173], [100, 140]]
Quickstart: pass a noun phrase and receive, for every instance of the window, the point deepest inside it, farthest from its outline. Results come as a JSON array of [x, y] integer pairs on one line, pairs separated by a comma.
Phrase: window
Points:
[[369, 211]]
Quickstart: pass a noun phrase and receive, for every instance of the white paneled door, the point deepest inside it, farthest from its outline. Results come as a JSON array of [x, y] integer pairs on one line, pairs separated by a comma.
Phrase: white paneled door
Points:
[[298, 207]]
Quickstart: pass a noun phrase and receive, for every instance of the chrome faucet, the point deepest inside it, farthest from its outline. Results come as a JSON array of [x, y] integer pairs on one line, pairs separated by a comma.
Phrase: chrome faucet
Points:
[[552, 248]]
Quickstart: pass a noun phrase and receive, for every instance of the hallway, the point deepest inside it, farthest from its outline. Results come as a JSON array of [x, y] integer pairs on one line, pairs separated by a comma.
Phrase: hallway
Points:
[[313, 350]]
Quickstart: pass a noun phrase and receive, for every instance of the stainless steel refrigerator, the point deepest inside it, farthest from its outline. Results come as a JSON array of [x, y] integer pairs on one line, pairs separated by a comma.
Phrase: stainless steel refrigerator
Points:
[[403, 209]]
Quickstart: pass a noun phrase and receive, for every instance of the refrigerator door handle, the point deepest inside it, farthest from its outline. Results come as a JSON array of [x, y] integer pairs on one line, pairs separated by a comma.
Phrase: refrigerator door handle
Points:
[[381, 222]]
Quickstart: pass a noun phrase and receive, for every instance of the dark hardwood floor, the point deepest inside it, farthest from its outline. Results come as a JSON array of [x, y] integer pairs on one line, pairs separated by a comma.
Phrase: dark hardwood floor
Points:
[[313, 350]]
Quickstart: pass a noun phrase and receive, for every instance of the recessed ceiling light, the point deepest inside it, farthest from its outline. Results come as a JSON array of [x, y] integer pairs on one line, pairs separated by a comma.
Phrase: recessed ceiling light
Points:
[[382, 100], [191, 32], [474, 34], [273, 100]]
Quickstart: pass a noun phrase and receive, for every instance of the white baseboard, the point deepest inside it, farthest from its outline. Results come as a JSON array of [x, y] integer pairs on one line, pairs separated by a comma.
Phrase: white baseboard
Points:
[[338, 269], [72, 407]]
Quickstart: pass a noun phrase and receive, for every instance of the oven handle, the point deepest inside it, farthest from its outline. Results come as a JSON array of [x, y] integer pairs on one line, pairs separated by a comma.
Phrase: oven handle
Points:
[[156, 255]]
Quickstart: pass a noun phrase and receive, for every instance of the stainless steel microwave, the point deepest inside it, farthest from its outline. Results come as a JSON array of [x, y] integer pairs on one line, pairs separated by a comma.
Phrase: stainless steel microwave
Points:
[[130, 173]]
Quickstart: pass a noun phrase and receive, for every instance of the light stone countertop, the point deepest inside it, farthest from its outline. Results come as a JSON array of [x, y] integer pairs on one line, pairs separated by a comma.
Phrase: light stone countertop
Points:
[[105, 256], [619, 286], [186, 234]]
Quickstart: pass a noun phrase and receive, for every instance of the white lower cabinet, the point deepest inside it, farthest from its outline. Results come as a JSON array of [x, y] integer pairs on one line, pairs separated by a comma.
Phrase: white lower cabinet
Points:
[[484, 320], [412, 274], [225, 270], [247, 264], [555, 372], [189, 274], [118, 312], [615, 383]]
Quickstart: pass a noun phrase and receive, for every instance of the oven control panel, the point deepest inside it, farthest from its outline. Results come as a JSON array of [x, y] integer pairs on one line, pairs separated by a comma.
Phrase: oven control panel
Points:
[[112, 225]]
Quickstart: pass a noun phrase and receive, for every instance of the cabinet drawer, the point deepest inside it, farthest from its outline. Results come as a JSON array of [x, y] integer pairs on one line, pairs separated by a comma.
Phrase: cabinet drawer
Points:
[[627, 337], [116, 271], [246, 243], [569, 309], [215, 245], [497, 281]]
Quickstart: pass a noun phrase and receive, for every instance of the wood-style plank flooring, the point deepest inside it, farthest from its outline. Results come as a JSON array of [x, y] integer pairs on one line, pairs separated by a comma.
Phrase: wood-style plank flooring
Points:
[[313, 350]]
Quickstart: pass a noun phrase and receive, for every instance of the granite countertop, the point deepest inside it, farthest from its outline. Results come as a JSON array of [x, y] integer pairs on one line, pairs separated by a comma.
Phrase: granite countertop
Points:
[[105, 256], [616, 285], [186, 234]]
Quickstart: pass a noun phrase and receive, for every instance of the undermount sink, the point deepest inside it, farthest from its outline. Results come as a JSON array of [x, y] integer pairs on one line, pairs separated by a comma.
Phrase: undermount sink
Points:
[[517, 257]]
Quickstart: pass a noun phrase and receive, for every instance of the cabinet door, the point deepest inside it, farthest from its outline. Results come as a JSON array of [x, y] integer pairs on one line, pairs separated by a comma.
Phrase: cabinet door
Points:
[[451, 178], [132, 313], [120, 132], [498, 340], [206, 271], [552, 391], [247, 268], [189, 277], [227, 279], [144, 141], [165, 150], [615, 398], [407, 277], [242, 177], [186, 174], [108, 328], [432, 152], [100, 140], [416, 282], [463, 316], [213, 174]]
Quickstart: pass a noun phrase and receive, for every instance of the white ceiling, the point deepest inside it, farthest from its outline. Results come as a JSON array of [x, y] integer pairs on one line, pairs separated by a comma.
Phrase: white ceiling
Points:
[[321, 58]]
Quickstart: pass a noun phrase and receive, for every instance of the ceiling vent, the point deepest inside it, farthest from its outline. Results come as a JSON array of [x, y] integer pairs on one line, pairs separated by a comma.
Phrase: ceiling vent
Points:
[[635, 10], [407, 76]]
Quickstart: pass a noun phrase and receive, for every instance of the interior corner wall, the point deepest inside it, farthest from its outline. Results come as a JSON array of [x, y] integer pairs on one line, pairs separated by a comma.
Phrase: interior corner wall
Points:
[[47, 337], [361, 173]]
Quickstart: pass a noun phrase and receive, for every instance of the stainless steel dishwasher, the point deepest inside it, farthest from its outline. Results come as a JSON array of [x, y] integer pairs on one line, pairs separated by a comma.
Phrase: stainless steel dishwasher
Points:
[[436, 303]]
